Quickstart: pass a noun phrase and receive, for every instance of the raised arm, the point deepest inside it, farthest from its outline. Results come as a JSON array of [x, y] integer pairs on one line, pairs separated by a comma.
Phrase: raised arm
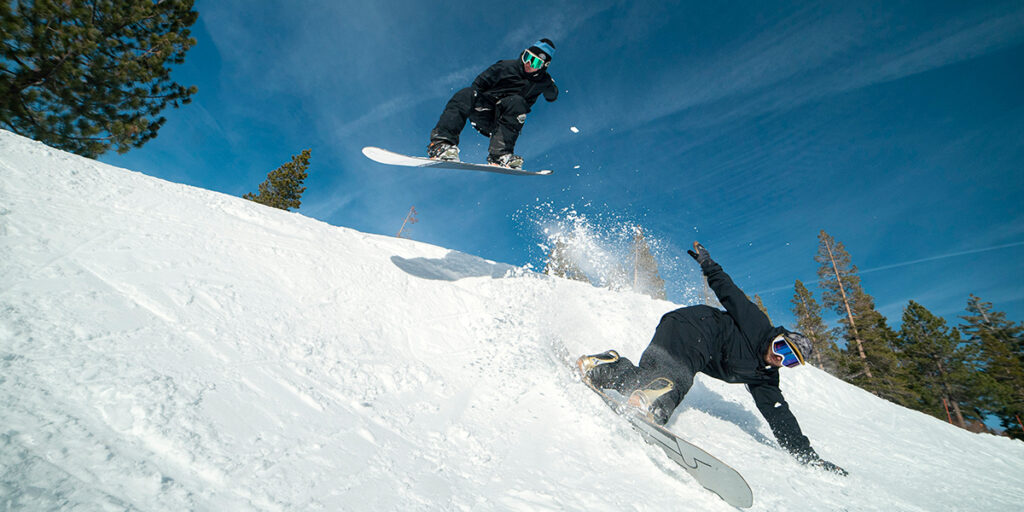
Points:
[[751, 321]]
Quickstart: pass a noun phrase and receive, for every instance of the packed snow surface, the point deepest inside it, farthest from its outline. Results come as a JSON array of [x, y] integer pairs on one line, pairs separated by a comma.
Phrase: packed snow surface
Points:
[[164, 347]]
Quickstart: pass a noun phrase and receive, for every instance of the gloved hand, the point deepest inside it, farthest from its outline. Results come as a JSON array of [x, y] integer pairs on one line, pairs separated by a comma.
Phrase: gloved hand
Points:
[[700, 254], [827, 466]]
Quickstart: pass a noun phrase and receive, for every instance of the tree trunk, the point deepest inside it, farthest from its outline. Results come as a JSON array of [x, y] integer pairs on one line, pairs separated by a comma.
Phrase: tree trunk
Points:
[[849, 313], [949, 394]]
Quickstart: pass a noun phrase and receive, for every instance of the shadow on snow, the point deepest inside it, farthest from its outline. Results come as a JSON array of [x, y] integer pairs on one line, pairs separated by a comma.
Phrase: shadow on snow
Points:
[[452, 267]]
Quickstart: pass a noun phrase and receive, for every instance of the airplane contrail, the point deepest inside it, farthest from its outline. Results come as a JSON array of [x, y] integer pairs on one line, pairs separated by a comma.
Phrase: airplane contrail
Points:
[[943, 256], [914, 262]]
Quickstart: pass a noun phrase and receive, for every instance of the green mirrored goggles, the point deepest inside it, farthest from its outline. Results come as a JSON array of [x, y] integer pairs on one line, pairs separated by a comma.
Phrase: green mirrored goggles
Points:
[[532, 60]]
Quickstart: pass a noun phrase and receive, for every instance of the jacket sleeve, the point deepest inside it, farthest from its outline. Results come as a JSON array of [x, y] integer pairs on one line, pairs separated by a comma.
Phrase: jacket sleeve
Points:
[[551, 93], [773, 407], [751, 321]]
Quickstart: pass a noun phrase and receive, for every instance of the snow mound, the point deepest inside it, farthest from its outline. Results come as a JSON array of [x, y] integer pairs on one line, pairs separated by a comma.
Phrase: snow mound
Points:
[[164, 347]]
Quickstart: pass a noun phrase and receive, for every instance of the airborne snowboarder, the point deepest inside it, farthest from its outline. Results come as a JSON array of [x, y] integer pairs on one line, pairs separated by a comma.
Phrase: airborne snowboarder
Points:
[[496, 105], [738, 345]]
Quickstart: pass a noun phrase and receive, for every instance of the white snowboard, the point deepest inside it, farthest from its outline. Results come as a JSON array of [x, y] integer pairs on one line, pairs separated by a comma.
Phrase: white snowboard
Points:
[[391, 158], [715, 475]]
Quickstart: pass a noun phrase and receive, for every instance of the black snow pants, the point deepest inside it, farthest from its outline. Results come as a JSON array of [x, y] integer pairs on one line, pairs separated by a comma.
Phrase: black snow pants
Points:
[[501, 121], [677, 352]]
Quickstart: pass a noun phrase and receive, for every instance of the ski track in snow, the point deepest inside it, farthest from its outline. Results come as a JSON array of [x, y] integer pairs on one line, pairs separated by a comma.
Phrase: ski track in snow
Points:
[[164, 347]]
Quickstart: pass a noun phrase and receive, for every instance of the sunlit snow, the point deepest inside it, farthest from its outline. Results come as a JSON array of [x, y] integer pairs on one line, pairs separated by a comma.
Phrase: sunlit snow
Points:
[[164, 347]]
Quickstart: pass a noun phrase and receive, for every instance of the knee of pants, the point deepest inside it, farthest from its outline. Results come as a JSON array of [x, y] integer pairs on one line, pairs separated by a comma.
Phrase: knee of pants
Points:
[[512, 105], [465, 96], [483, 122], [461, 103]]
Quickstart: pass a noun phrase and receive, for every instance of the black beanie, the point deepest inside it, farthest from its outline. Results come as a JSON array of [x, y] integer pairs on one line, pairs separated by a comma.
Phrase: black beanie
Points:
[[545, 47]]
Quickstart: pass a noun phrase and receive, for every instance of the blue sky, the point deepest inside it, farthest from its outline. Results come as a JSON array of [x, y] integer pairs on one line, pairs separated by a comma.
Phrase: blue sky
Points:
[[896, 127]]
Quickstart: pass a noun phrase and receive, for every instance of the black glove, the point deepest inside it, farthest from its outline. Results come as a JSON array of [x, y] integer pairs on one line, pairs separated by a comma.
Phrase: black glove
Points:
[[827, 466], [702, 256]]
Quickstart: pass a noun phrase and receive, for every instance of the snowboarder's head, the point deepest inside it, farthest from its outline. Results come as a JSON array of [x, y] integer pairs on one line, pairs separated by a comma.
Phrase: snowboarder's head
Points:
[[538, 56], [789, 349]]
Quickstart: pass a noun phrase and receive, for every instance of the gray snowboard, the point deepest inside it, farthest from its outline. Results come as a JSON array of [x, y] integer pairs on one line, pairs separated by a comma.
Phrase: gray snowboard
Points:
[[391, 158], [715, 475]]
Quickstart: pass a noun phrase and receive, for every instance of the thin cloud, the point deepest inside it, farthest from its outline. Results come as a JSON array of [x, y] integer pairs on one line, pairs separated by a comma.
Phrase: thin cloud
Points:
[[807, 56], [956, 42], [440, 87]]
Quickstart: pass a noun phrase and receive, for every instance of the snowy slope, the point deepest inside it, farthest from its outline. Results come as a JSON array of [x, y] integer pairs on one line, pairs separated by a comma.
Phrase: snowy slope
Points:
[[164, 347]]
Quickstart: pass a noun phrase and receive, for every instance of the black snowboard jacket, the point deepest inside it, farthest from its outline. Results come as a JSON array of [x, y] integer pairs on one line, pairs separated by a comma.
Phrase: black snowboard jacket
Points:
[[508, 77], [737, 340]]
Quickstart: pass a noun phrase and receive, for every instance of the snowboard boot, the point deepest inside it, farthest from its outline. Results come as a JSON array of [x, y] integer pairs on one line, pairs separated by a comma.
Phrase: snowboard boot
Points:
[[587, 363], [652, 400], [443, 150], [507, 160]]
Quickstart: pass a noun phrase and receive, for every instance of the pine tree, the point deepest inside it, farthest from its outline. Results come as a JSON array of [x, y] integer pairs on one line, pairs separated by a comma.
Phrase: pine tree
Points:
[[840, 284], [283, 188], [646, 278], [939, 362], [560, 263], [890, 379], [809, 322], [88, 75], [1001, 361], [871, 361]]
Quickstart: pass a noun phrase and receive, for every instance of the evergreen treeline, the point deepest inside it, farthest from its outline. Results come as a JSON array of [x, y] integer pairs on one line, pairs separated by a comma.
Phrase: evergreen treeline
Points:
[[960, 374]]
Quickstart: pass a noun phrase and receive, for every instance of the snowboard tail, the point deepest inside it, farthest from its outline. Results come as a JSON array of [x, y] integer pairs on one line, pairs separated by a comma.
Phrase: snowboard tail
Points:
[[715, 475], [391, 158]]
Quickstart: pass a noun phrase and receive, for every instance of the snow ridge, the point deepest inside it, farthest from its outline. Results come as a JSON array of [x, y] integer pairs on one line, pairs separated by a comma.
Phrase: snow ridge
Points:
[[164, 347]]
